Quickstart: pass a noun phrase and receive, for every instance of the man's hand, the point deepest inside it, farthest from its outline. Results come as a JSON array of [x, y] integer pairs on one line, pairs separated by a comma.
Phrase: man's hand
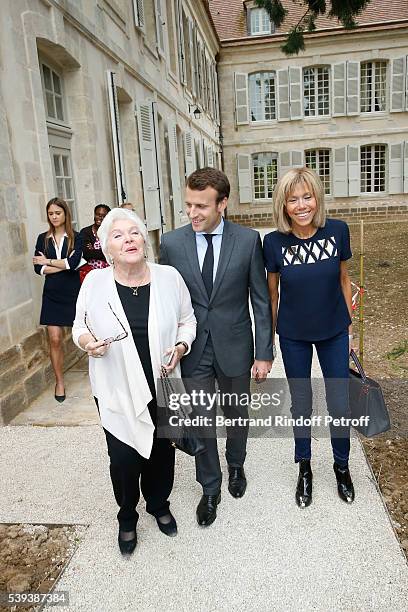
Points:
[[260, 370]]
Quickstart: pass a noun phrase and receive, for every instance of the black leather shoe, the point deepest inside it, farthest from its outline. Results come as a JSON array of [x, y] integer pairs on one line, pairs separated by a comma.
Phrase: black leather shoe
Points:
[[169, 527], [237, 482], [304, 484], [344, 483], [207, 509], [59, 398], [127, 541]]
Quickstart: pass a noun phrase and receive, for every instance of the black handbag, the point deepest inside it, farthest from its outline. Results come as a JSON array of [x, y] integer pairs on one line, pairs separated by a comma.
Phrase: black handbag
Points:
[[186, 442], [367, 400]]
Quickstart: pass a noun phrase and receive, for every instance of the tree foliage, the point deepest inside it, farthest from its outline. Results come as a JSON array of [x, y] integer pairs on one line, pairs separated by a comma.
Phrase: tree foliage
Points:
[[345, 11]]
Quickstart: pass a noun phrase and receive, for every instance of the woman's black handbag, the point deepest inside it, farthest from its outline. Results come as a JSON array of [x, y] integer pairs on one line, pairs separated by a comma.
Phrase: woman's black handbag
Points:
[[366, 400], [180, 438]]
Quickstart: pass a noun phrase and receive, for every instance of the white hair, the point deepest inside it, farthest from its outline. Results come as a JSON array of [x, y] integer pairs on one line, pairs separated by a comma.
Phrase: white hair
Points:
[[114, 215]]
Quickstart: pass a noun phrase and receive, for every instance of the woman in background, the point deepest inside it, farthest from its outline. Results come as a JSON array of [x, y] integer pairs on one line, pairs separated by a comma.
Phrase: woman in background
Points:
[[57, 254], [92, 251]]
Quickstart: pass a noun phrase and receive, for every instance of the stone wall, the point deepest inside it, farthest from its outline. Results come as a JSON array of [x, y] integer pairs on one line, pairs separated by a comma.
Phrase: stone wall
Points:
[[26, 371]]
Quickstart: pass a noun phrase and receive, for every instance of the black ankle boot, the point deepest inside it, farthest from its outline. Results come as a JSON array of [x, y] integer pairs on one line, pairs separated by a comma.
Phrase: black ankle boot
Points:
[[344, 483], [304, 484]]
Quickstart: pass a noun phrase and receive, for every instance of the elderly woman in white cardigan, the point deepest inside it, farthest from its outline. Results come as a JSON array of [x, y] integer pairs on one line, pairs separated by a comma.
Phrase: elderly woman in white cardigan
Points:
[[129, 317]]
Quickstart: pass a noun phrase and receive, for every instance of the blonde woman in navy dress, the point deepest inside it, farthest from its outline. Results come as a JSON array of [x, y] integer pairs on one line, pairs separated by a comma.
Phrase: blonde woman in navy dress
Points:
[[57, 254], [306, 259]]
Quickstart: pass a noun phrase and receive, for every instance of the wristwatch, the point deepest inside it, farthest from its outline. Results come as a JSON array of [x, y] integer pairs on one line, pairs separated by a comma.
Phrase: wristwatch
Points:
[[184, 344]]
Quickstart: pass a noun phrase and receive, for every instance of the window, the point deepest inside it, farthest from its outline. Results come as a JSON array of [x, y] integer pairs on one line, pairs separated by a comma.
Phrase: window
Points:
[[373, 86], [319, 161], [52, 84], [262, 96], [373, 167], [64, 183], [265, 174], [316, 92], [259, 22]]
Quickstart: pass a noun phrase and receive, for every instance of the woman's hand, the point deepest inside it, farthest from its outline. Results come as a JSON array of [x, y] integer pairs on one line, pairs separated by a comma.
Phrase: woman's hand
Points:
[[352, 343], [96, 349], [174, 355], [41, 260]]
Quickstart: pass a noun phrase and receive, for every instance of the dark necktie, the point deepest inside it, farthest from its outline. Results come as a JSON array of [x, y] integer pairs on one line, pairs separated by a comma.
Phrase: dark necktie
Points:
[[208, 265]]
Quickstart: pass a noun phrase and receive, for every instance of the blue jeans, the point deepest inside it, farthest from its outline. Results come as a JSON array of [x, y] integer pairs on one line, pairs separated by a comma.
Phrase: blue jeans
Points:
[[333, 355]]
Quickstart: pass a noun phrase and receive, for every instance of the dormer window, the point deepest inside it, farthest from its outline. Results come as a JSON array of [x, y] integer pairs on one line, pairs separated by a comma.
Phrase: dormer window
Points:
[[259, 22]]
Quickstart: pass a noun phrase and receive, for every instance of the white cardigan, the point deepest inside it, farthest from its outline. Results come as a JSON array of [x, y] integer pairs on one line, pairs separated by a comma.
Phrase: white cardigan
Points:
[[117, 378]]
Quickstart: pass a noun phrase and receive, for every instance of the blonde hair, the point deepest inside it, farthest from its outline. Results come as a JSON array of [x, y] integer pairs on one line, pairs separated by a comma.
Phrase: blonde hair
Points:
[[286, 186]]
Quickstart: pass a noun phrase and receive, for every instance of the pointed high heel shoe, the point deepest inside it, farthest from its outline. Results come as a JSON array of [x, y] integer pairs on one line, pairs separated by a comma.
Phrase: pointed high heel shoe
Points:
[[59, 398]]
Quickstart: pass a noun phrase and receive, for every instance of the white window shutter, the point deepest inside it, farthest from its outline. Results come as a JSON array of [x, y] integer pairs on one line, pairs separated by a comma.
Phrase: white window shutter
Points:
[[189, 153], [241, 98], [406, 83], [244, 178], [353, 170], [283, 94], [340, 183], [159, 25], [138, 10], [405, 167], [116, 138], [285, 162], [295, 78], [396, 162], [181, 47], [353, 88], [210, 156], [217, 102], [149, 166], [398, 84], [339, 89], [297, 159], [192, 57], [177, 200]]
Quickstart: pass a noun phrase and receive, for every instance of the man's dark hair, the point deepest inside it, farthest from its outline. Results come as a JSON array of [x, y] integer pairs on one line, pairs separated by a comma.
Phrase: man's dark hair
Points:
[[105, 206], [210, 177]]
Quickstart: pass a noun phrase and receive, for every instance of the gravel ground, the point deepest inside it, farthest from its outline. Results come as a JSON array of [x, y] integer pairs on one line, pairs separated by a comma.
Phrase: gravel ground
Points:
[[262, 553]]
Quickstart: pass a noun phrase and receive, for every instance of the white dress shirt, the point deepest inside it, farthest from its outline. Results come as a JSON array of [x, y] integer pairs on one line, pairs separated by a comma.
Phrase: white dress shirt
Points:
[[202, 246], [58, 251]]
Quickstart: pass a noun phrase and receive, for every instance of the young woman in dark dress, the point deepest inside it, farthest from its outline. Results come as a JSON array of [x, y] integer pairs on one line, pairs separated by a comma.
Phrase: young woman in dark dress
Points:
[[57, 254]]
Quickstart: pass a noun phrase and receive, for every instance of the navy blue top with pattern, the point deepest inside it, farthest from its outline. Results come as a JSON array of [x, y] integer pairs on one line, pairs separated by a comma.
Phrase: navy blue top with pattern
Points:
[[312, 305]]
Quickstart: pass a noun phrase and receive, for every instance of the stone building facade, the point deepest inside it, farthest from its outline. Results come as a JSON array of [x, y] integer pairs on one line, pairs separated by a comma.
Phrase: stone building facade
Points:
[[98, 104], [340, 107]]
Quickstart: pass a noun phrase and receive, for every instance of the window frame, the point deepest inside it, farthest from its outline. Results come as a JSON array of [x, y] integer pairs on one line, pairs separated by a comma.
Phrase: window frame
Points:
[[275, 157], [251, 11], [317, 151], [54, 120], [372, 147], [59, 149], [316, 114], [251, 77], [386, 91]]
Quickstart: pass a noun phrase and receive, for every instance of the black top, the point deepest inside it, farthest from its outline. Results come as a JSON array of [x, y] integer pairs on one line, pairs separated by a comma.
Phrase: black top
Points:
[[312, 305], [136, 309], [89, 238]]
